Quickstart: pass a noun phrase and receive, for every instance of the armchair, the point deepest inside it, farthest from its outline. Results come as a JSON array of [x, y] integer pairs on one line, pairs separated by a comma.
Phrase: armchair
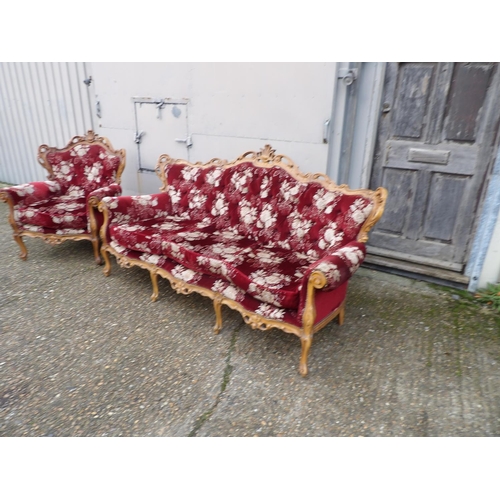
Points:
[[64, 207]]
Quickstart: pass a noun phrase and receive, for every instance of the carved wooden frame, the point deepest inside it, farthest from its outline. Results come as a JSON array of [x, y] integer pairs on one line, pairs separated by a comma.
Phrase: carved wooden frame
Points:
[[265, 159], [56, 239]]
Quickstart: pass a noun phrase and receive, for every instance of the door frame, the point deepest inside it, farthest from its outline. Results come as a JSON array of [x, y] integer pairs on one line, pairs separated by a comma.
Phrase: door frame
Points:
[[354, 123]]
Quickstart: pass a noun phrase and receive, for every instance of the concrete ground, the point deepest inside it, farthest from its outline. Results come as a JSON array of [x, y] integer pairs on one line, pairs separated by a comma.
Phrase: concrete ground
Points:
[[86, 355]]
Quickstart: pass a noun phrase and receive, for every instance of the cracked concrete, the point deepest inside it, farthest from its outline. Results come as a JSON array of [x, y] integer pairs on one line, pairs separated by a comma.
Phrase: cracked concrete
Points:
[[86, 355]]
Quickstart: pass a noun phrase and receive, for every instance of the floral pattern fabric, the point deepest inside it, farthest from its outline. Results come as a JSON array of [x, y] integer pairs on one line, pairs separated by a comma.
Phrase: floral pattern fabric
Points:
[[59, 206], [33, 192], [88, 166], [64, 212]]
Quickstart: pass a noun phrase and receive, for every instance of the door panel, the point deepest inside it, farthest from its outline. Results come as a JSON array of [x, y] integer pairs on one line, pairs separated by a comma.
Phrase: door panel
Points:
[[434, 147]]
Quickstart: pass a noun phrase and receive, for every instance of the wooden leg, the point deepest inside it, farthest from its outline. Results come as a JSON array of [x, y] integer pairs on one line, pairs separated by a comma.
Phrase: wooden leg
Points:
[[341, 315], [154, 281], [317, 280], [97, 256], [107, 262], [93, 230], [218, 315], [24, 251], [306, 345]]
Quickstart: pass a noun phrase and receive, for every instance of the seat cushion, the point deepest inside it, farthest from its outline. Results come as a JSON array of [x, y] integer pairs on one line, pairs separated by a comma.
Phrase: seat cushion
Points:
[[268, 273], [60, 212], [150, 235]]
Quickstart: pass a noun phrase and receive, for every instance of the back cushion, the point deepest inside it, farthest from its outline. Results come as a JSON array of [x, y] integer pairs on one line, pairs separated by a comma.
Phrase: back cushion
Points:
[[267, 204], [193, 191], [84, 168]]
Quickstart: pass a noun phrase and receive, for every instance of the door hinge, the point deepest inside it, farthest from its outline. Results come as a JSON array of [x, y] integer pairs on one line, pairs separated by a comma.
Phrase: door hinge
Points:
[[348, 75], [326, 129], [138, 137], [187, 140], [159, 106]]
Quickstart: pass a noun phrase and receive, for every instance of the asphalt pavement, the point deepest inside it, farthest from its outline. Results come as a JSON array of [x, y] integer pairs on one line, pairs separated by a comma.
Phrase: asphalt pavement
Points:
[[82, 354]]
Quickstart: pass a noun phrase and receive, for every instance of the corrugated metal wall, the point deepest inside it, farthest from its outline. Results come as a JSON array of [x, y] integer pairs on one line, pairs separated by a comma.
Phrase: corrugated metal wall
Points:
[[40, 103]]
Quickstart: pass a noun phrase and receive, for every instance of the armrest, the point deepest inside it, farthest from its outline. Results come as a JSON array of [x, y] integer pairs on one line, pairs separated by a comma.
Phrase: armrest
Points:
[[27, 194], [336, 266], [339, 265], [98, 194], [135, 208]]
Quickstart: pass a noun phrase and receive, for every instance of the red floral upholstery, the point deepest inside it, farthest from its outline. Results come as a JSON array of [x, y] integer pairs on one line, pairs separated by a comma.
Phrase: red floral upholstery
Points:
[[258, 229], [255, 234], [80, 175]]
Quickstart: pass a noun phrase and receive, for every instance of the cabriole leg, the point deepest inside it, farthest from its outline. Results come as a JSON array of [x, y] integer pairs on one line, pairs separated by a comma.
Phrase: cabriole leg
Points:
[[154, 282], [107, 262], [306, 345], [24, 251], [97, 256], [218, 315]]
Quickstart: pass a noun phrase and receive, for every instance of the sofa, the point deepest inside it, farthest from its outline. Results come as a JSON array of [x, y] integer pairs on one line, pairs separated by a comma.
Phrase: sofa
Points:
[[65, 206], [254, 234]]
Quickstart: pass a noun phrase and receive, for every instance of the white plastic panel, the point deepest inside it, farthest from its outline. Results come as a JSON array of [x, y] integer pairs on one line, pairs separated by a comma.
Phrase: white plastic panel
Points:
[[40, 103]]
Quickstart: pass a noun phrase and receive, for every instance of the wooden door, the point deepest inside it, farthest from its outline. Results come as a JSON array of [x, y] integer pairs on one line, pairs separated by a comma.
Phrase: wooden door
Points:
[[434, 148]]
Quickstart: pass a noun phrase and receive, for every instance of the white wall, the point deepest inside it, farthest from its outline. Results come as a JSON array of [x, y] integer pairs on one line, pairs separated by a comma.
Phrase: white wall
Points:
[[232, 108]]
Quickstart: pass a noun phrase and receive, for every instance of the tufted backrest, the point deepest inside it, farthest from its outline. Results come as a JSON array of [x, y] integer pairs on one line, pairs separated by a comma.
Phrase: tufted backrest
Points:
[[84, 168], [85, 164], [267, 204]]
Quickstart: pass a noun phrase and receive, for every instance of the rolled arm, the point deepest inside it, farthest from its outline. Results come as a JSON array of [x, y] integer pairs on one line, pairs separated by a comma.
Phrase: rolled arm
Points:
[[332, 270], [339, 265], [98, 194], [126, 209], [32, 192]]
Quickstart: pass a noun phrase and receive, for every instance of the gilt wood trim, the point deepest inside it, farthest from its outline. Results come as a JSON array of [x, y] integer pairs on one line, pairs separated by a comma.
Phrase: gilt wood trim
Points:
[[56, 239], [254, 320]]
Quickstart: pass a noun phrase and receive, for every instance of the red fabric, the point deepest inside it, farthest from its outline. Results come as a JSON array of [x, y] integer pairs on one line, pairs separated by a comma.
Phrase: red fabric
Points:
[[111, 190], [337, 265], [269, 274], [327, 301], [32, 192], [267, 205], [59, 212], [85, 166], [216, 284], [60, 206]]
